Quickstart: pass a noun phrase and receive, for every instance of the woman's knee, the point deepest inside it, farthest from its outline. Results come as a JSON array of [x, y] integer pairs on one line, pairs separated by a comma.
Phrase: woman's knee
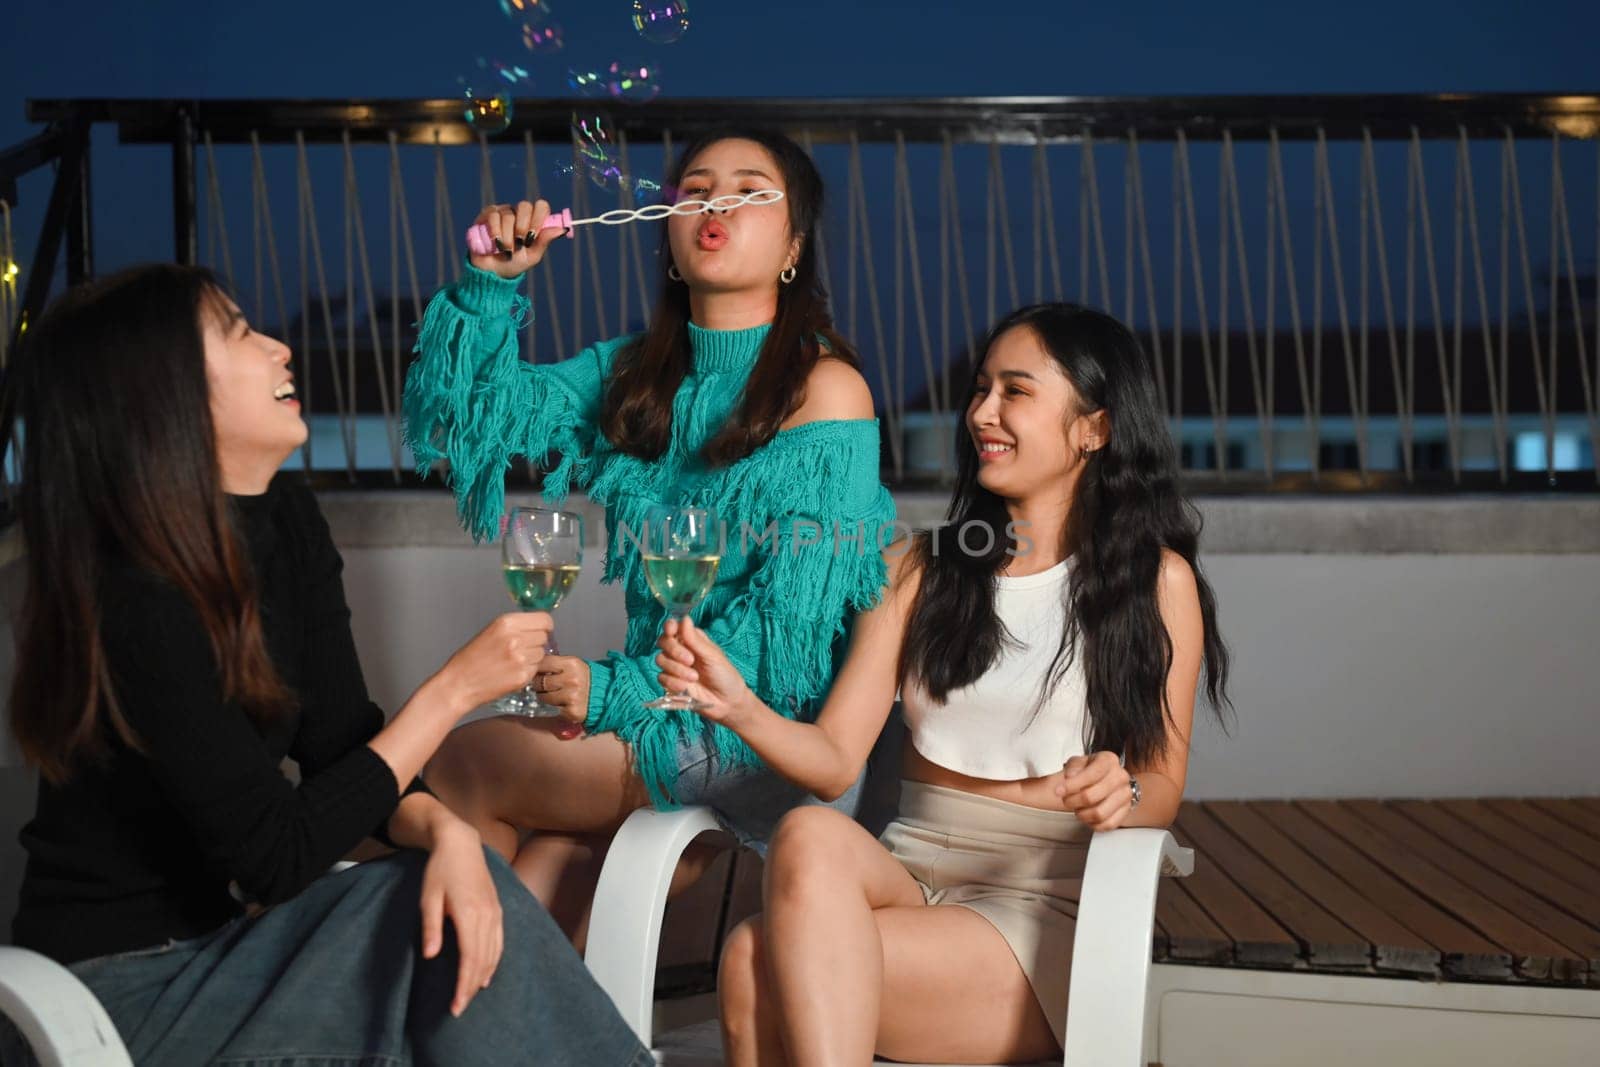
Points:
[[813, 826], [806, 844], [450, 773]]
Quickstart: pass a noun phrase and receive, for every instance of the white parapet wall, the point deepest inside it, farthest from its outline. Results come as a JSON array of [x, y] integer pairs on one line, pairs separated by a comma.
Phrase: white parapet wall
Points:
[[1382, 646], [1222, 1017]]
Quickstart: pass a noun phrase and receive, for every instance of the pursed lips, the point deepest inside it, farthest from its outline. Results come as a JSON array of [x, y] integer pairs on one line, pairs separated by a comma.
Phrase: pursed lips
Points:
[[712, 234]]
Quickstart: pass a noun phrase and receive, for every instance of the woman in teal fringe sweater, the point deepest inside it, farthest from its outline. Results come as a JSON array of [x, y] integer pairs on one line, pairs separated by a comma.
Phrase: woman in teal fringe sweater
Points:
[[740, 395]]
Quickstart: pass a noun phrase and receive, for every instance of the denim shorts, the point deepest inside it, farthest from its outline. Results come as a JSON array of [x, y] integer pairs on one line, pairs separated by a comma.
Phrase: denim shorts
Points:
[[748, 801]]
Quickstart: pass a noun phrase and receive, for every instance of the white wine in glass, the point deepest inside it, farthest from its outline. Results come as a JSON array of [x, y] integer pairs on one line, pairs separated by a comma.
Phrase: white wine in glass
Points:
[[682, 550], [540, 586], [680, 583], [541, 555]]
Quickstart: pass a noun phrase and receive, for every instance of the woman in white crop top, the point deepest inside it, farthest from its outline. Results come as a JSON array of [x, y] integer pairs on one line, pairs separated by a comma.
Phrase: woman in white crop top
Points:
[[1048, 643]]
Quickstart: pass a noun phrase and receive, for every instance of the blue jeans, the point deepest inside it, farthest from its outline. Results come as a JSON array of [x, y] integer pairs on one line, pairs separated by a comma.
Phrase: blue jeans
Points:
[[336, 977]]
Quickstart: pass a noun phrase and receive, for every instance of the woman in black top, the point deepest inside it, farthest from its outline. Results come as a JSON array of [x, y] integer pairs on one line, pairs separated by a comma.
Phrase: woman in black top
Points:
[[185, 629]]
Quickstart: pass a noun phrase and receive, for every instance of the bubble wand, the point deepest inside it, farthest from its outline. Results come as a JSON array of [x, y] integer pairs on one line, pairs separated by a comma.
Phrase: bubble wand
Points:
[[482, 244]]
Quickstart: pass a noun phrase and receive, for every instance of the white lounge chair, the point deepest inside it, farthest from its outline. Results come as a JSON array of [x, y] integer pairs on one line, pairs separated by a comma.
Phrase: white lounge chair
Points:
[[56, 1013], [1111, 955]]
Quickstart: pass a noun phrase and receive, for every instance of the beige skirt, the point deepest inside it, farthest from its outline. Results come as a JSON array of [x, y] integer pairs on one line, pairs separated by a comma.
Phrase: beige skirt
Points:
[[1021, 868]]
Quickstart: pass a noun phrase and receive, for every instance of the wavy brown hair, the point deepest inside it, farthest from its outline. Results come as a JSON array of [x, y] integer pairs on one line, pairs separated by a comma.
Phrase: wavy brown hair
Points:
[[637, 413], [120, 468], [1128, 508]]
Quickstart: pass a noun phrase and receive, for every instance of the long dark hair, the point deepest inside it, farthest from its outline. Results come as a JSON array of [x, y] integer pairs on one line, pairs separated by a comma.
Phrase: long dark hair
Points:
[[637, 413], [1127, 508], [120, 467]]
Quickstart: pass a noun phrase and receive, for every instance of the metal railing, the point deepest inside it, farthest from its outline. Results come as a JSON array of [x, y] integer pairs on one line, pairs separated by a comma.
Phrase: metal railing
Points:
[[1340, 292]]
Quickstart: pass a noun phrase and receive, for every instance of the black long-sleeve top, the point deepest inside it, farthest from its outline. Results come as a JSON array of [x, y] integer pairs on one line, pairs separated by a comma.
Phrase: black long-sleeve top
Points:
[[142, 846]]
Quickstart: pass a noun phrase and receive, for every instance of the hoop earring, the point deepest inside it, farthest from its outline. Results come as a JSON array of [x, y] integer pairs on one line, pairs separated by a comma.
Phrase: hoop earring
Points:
[[786, 275], [672, 272]]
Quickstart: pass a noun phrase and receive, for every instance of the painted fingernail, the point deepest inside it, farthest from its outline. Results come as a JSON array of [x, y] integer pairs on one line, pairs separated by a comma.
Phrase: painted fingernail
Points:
[[498, 247]]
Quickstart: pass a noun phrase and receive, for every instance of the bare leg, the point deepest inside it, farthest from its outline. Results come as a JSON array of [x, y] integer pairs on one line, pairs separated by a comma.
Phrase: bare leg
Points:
[[567, 867], [859, 964], [745, 1004], [562, 870], [953, 992], [825, 877], [511, 775]]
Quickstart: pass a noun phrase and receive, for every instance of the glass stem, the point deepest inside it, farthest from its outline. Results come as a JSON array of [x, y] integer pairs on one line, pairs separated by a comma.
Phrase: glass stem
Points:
[[682, 694], [531, 695]]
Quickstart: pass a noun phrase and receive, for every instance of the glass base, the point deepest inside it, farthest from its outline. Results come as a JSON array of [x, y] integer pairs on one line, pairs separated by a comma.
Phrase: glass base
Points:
[[675, 702], [525, 701], [518, 704]]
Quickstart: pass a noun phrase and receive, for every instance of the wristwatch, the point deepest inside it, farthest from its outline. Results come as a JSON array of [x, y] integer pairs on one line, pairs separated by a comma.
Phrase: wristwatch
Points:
[[1133, 784]]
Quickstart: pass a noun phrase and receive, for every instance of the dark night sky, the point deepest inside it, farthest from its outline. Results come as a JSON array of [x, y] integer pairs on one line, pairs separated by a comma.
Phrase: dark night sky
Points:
[[406, 48], [818, 48]]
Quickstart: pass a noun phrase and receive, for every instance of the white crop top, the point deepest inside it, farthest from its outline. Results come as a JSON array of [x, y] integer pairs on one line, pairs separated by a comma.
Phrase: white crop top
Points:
[[983, 730]]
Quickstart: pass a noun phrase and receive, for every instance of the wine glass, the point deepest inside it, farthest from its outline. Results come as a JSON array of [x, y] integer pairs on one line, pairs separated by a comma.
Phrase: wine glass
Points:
[[682, 549], [541, 554]]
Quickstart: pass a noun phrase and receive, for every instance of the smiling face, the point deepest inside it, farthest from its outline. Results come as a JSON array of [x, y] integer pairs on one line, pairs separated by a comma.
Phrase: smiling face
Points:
[[740, 250], [253, 406], [1027, 422]]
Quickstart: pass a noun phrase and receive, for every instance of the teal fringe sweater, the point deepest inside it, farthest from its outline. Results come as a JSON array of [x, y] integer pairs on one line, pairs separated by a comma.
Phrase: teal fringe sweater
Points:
[[803, 513]]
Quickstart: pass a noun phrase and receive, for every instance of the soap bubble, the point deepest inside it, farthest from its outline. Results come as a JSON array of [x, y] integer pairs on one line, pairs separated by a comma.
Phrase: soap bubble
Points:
[[488, 93], [626, 81], [598, 159], [661, 21], [527, 12], [587, 82], [596, 151], [542, 40], [611, 179], [509, 73], [489, 114], [489, 76], [632, 82], [534, 22]]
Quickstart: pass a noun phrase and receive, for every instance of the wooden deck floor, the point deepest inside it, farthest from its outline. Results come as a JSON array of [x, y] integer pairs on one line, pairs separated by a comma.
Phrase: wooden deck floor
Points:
[[1456, 890], [1471, 890]]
